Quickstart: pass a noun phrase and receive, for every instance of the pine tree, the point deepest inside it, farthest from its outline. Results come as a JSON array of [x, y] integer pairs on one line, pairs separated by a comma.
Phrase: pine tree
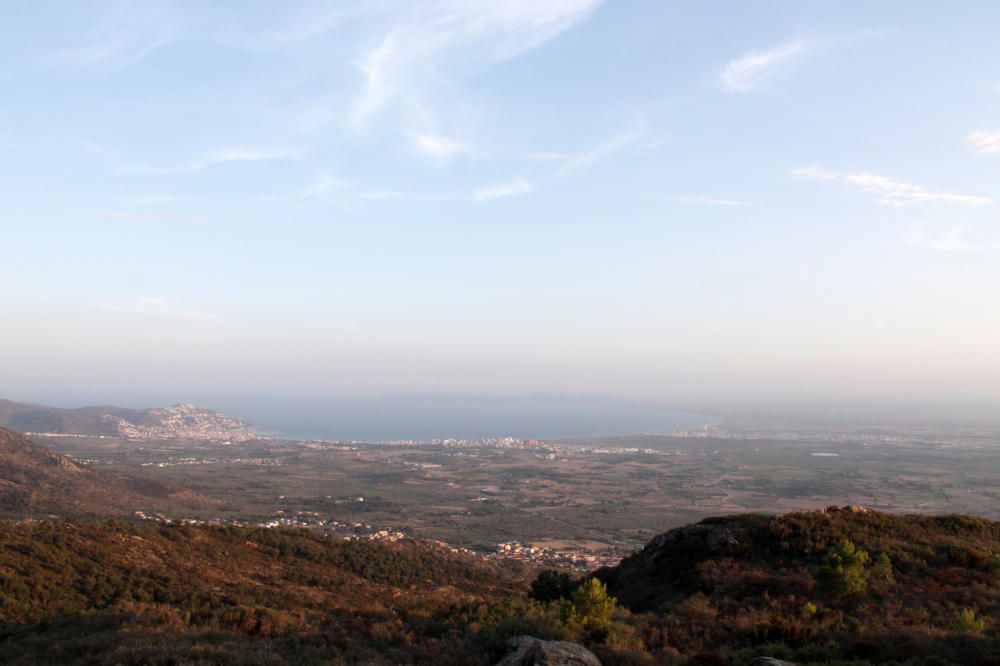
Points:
[[592, 605], [844, 571]]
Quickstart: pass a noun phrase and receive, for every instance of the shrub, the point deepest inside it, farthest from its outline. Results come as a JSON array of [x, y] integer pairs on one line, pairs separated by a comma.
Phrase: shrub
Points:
[[881, 572], [966, 622], [844, 571]]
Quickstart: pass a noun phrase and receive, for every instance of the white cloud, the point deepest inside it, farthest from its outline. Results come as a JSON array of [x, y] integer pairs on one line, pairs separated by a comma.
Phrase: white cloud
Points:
[[657, 143], [427, 38], [894, 193], [154, 307], [323, 185], [813, 173], [212, 158], [569, 162], [709, 201], [984, 141], [513, 189], [122, 34], [399, 195], [145, 217], [517, 188], [439, 147], [239, 155], [890, 192], [753, 69]]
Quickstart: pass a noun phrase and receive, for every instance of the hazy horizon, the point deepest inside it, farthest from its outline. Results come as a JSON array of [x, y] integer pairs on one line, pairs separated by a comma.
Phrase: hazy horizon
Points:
[[789, 201]]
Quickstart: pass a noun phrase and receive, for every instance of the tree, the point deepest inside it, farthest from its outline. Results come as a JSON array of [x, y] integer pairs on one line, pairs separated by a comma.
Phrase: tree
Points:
[[844, 571], [592, 605], [551, 585], [881, 572]]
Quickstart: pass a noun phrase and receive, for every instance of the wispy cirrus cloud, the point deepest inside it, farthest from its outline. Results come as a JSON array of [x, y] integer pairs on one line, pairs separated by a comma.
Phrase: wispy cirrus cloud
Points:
[[405, 195], [889, 192], [479, 194], [215, 157], [813, 173], [323, 185], [439, 147], [985, 142], [709, 201], [569, 162], [755, 68], [144, 217], [427, 43], [514, 189], [120, 34], [153, 306]]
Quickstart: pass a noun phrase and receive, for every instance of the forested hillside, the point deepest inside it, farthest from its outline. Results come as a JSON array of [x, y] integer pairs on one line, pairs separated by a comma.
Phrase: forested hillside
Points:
[[819, 587], [36, 482]]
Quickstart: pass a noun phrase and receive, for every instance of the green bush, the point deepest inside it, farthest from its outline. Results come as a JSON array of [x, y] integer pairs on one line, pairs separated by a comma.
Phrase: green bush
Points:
[[966, 622], [844, 571]]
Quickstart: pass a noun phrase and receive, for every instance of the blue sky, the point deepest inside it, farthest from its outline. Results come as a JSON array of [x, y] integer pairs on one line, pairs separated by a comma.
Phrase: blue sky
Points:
[[691, 200]]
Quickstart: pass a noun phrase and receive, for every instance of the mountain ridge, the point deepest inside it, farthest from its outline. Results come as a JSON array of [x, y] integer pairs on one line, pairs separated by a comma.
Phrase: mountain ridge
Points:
[[180, 421], [35, 481]]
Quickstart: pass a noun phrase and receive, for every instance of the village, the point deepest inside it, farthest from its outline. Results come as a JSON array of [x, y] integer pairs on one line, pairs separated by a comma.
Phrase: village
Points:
[[562, 558]]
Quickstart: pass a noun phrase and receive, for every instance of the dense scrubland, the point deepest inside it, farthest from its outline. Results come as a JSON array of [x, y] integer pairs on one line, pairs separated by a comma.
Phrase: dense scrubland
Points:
[[817, 587]]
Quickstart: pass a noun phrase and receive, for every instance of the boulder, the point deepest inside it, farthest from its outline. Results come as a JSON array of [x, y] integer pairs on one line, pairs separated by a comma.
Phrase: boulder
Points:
[[531, 651], [769, 661]]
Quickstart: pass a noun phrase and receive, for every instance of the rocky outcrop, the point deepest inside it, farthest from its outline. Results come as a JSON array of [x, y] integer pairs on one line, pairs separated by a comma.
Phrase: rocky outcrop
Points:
[[769, 661], [531, 651], [849, 508]]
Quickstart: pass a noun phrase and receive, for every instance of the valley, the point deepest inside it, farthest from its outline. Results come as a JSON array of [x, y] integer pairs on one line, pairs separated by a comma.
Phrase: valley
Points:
[[559, 496]]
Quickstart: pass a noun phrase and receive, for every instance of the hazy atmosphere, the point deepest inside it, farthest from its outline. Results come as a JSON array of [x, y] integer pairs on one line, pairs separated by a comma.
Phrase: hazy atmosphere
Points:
[[500, 332], [691, 200]]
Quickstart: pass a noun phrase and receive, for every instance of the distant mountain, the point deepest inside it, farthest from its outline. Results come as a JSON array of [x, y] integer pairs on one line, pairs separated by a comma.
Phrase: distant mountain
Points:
[[183, 421], [34, 482]]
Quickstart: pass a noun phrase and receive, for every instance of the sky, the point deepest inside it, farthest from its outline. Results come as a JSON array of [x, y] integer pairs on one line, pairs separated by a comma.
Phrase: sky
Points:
[[694, 200]]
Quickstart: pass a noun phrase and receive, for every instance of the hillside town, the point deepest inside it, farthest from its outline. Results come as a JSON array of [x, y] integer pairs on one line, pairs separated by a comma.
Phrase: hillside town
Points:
[[184, 421]]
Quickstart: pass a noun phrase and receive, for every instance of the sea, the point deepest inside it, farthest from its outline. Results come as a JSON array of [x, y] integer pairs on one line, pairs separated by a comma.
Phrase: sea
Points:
[[426, 417]]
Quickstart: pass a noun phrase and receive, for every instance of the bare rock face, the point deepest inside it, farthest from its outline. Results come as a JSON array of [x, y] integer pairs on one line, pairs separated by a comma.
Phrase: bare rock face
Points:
[[769, 661], [531, 651]]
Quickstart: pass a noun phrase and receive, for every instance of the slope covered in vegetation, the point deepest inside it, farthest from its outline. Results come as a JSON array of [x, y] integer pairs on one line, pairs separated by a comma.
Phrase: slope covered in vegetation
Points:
[[836, 584], [819, 587], [35, 482], [127, 593]]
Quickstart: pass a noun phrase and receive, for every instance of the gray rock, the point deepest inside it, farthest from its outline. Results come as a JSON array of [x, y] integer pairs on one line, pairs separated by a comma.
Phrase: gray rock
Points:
[[531, 651], [769, 661]]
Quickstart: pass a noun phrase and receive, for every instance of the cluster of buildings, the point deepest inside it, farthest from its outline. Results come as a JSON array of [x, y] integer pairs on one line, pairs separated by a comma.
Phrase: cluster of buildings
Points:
[[182, 421], [563, 559], [484, 443], [256, 462], [512, 550]]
